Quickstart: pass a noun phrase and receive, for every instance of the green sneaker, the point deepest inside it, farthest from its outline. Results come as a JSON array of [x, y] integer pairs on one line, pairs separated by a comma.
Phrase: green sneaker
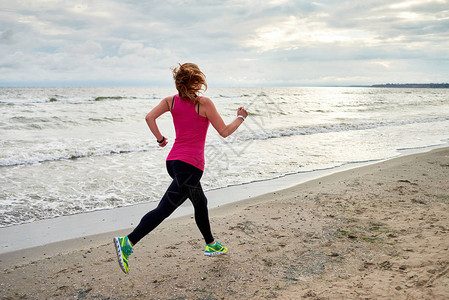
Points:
[[215, 249], [124, 250]]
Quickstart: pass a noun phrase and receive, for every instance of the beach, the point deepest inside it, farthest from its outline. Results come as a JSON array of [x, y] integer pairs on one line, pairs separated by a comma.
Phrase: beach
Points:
[[375, 232]]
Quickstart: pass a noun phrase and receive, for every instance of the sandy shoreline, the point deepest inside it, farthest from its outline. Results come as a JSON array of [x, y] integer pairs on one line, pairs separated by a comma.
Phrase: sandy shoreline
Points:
[[61, 231], [375, 232]]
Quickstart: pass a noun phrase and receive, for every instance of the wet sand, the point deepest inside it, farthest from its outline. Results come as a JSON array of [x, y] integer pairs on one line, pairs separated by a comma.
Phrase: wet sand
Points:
[[375, 232]]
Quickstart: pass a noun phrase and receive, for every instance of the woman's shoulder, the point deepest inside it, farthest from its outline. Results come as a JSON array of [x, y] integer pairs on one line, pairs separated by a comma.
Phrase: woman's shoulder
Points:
[[205, 101], [169, 98], [169, 101]]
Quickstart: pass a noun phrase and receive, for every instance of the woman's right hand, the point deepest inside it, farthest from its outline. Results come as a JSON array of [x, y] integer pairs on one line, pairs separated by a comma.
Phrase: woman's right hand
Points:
[[242, 112]]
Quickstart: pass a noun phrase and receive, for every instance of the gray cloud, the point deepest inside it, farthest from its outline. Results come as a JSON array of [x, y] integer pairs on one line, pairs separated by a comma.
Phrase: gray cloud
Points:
[[276, 42]]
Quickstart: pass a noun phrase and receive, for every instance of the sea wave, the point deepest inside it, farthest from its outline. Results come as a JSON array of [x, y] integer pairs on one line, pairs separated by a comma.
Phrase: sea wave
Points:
[[74, 100], [256, 131], [253, 131], [36, 157], [47, 207]]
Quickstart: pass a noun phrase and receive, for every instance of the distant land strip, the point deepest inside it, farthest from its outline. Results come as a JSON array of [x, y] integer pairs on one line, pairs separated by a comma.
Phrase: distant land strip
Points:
[[414, 85]]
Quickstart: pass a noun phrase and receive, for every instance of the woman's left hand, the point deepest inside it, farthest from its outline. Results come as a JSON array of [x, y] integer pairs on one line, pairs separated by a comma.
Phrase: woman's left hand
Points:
[[164, 143]]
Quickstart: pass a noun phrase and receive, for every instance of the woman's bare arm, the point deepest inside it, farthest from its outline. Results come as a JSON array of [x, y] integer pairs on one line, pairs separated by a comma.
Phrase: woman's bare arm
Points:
[[218, 123], [155, 113]]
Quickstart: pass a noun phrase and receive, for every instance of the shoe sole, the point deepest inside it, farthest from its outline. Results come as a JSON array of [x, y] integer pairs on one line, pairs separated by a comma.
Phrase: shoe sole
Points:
[[118, 250], [214, 253]]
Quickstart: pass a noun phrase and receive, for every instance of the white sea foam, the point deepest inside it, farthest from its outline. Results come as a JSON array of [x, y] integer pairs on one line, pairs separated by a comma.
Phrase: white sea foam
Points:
[[73, 150]]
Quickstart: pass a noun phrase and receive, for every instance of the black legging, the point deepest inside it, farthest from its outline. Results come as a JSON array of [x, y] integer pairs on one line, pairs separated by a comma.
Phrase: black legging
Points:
[[185, 184]]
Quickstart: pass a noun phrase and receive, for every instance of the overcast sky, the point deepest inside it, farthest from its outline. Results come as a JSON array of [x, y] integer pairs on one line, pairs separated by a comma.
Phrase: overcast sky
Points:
[[236, 43]]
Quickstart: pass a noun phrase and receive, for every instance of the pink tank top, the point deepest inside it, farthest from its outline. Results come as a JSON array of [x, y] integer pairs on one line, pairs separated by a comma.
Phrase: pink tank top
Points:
[[191, 129]]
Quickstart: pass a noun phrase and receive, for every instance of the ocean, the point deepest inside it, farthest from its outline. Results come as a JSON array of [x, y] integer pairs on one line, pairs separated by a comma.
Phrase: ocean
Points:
[[69, 150]]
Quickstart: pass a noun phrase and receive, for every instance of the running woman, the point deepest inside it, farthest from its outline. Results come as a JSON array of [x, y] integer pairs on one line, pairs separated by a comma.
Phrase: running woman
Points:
[[192, 115]]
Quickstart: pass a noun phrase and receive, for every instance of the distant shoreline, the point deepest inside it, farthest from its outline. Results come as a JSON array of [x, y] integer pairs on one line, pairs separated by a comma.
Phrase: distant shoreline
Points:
[[414, 85]]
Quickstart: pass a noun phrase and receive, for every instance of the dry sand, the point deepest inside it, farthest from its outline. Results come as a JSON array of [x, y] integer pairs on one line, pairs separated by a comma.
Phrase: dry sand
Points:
[[375, 232]]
